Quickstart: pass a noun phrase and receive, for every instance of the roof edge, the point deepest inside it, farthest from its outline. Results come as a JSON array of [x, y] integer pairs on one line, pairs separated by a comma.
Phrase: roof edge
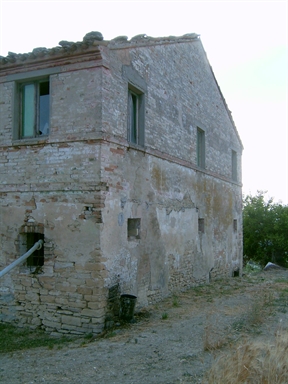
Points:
[[90, 40]]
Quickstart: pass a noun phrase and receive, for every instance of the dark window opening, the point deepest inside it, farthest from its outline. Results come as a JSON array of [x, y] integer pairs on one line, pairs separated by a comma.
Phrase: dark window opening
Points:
[[236, 273], [234, 166], [34, 109], [44, 108], [201, 227], [235, 225], [133, 229], [27, 242], [200, 148], [135, 116]]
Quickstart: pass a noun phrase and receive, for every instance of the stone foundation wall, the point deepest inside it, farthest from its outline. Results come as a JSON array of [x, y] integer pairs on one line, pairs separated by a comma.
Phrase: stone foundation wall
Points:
[[67, 293]]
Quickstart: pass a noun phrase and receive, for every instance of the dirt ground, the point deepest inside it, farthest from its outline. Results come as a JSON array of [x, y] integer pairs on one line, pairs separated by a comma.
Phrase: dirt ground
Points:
[[173, 342]]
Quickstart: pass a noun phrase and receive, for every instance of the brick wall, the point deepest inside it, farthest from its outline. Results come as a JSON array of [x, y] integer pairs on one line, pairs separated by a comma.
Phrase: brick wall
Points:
[[81, 184]]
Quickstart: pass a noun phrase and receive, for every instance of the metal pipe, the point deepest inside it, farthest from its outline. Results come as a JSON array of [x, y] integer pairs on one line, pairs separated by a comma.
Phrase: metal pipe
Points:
[[22, 258]]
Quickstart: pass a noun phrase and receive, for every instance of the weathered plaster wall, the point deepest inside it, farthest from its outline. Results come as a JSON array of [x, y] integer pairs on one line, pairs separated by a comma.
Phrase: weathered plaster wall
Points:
[[171, 253], [161, 183], [181, 94]]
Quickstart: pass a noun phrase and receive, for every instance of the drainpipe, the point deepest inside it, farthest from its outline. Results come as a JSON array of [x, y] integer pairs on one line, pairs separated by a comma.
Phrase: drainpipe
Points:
[[22, 258]]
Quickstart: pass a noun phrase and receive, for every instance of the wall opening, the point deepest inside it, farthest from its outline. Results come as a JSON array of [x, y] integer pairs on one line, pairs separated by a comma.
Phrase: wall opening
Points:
[[235, 225], [27, 240], [234, 166], [200, 148], [236, 273], [201, 226], [133, 229]]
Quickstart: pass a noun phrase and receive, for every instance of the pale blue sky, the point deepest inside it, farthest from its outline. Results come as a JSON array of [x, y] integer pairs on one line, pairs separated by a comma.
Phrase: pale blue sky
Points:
[[246, 43]]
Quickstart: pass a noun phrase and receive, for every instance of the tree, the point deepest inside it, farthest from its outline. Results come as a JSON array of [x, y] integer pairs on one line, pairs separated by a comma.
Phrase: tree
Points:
[[265, 230]]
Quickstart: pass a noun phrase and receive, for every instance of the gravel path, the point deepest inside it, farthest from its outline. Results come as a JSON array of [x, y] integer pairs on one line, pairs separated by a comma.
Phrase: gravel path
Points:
[[201, 324]]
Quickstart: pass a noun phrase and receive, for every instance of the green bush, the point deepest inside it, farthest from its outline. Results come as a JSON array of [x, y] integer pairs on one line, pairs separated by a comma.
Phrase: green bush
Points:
[[265, 228]]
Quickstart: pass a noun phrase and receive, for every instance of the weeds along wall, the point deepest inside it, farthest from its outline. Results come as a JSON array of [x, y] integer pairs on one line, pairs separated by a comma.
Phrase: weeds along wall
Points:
[[134, 183]]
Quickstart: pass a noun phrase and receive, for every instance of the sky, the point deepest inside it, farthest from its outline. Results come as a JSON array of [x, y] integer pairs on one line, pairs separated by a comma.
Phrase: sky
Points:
[[245, 41]]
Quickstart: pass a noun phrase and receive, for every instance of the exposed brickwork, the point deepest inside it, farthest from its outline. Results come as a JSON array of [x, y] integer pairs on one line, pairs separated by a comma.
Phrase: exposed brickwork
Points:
[[79, 185]]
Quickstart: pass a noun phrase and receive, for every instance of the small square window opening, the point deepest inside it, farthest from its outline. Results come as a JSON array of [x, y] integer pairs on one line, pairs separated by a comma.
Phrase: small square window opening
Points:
[[133, 229], [201, 227]]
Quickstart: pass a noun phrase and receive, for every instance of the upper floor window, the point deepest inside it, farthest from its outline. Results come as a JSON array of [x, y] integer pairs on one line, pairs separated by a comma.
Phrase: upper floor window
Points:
[[200, 148], [135, 116], [234, 166], [34, 108]]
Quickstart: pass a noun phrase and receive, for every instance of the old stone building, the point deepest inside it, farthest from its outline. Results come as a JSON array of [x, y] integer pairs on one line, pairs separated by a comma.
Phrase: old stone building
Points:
[[123, 157]]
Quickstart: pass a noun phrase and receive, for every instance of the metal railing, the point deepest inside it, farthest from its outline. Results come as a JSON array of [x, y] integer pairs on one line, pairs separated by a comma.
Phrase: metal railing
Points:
[[22, 258]]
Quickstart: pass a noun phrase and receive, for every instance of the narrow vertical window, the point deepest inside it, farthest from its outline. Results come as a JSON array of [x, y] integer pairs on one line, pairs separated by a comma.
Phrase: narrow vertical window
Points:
[[34, 120], [201, 227], [200, 148], [234, 166], [135, 116]]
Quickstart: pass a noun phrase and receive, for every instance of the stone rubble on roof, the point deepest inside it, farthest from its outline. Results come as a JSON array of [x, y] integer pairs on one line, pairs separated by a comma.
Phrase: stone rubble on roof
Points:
[[90, 39]]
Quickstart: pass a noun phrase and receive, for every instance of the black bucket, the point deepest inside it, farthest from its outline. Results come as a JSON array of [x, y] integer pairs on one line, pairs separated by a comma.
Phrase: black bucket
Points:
[[127, 307]]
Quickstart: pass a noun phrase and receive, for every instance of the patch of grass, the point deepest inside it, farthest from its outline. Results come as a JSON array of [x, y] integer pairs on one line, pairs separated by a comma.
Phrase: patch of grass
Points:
[[110, 334], [255, 314], [212, 343], [164, 316], [15, 339], [253, 362], [239, 325], [252, 268], [212, 338], [210, 299], [88, 336], [282, 301], [281, 280], [250, 322], [175, 302], [143, 314], [187, 374], [199, 290]]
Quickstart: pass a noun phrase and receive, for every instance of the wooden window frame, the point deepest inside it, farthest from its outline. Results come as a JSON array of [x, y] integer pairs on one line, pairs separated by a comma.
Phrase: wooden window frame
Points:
[[37, 112], [136, 124]]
